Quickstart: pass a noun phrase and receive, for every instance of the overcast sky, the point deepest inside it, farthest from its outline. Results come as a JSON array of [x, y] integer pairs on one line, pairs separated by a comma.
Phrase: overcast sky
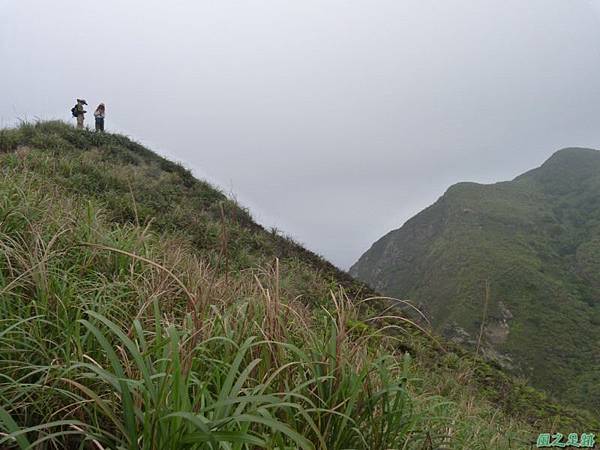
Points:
[[334, 121]]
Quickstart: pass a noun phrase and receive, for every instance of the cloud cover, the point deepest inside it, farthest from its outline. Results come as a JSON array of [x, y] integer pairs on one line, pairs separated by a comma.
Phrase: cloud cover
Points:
[[334, 121]]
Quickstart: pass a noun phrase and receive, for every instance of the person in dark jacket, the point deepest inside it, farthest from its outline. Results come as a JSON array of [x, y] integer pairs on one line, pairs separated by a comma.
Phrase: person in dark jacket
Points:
[[99, 116]]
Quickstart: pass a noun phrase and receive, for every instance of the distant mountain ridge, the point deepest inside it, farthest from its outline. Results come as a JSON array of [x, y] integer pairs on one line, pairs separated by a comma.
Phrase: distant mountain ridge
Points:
[[535, 242]]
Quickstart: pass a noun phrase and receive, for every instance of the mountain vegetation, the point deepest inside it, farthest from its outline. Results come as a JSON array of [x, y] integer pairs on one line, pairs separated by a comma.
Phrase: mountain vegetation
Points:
[[512, 269], [140, 308]]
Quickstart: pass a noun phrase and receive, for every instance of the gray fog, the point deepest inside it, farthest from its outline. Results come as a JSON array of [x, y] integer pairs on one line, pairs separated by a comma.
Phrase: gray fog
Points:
[[333, 121]]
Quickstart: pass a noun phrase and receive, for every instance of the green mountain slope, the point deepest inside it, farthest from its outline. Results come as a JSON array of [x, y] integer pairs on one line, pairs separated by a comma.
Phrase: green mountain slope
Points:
[[535, 242], [141, 308]]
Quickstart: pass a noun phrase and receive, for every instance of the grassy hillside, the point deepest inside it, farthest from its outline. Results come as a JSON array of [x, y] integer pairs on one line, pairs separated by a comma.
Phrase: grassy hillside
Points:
[[140, 308], [535, 243]]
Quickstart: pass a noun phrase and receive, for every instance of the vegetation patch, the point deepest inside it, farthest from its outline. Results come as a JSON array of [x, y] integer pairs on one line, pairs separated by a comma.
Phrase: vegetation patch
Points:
[[141, 308]]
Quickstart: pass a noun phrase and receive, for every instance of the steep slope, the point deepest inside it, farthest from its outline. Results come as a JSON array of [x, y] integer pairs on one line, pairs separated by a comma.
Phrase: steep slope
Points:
[[521, 257], [140, 308]]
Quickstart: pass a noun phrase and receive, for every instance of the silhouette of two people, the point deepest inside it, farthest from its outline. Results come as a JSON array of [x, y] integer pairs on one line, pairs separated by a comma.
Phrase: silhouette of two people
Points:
[[79, 111]]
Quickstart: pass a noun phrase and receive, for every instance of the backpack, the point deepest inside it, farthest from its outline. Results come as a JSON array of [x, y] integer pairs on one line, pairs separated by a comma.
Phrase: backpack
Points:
[[74, 111]]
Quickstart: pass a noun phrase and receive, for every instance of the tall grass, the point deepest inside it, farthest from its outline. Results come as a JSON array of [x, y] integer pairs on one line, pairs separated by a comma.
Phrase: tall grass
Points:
[[114, 336]]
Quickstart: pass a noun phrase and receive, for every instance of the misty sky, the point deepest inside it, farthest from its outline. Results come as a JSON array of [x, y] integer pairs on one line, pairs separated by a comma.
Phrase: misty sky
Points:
[[334, 121]]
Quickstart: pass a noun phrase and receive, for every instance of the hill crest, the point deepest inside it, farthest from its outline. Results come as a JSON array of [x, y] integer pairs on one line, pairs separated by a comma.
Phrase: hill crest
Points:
[[534, 241]]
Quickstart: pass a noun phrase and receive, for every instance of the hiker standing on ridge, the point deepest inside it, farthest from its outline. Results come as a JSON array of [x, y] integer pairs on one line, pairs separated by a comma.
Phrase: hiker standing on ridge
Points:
[[99, 115], [78, 112]]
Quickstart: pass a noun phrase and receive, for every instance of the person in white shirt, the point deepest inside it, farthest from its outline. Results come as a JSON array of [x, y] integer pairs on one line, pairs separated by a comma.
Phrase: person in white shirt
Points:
[[99, 115]]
